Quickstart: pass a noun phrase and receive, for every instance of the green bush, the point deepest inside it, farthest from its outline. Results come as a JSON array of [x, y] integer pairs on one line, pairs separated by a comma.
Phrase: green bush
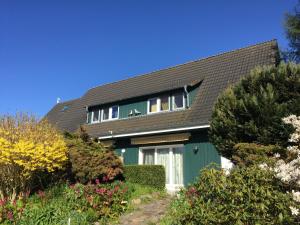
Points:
[[247, 196], [250, 153], [90, 160], [252, 110], [151, 175]]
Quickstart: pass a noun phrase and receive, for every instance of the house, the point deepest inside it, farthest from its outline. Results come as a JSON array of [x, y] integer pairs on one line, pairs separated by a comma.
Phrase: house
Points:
[[163, 117]]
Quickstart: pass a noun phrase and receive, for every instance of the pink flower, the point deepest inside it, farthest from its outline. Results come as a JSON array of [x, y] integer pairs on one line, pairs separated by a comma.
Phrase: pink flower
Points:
[[41, 194], [97, 181], [105, 179], [101, 191], [10, 216], [27, 193], [109, 193], [192, 190], [2, 202]]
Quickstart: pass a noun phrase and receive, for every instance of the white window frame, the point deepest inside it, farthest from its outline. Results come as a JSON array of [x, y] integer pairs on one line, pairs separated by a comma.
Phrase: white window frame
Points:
[[158, 103], [99, 116], [110, 114], [183, 105], [171, 186]]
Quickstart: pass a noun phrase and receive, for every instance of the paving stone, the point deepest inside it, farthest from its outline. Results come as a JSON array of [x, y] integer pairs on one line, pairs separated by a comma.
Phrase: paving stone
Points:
[[148, 213]]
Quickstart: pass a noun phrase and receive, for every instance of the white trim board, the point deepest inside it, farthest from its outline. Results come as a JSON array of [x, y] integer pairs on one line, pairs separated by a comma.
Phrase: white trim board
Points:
[[154, 132]]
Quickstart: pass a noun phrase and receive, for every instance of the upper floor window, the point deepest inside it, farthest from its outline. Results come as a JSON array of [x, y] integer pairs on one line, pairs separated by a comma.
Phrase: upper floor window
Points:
[[178, 101], [115, 112], [164, 103], [158, 104], [110, 113], [152, 105], [96, 116], [105, 114]]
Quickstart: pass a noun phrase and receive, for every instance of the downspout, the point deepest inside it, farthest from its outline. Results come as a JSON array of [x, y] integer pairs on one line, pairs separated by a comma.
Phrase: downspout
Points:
[[187, 96]]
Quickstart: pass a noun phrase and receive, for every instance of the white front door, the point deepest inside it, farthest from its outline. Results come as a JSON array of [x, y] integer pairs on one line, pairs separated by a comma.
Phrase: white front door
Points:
[[171, 157]]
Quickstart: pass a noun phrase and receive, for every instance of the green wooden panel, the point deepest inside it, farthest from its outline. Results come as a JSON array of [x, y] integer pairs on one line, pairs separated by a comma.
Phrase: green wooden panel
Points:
[[125, 109], [131, 155], [194, 161], [192, 95]]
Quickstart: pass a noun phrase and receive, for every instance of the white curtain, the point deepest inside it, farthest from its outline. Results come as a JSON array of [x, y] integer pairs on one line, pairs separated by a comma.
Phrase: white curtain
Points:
[[148, 156], [177, 166], [163, 159]]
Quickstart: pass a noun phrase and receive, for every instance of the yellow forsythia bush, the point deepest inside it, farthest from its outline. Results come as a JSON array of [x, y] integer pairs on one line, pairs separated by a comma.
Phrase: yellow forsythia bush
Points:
[[28, 146]]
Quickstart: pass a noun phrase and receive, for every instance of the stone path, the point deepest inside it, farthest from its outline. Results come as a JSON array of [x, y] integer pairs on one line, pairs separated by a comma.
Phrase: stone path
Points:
[[148, 213]]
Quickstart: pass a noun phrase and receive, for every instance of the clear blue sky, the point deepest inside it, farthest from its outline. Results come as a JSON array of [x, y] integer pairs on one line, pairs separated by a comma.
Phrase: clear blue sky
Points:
[[51, 49]]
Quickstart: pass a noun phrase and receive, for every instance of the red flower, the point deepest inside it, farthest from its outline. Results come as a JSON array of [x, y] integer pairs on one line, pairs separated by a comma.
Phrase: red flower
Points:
[[125, 189], [116, 188]]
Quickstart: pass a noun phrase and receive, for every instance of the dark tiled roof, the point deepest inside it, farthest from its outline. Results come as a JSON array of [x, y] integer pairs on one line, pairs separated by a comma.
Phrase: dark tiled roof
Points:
[[68, 115], [216, 72]]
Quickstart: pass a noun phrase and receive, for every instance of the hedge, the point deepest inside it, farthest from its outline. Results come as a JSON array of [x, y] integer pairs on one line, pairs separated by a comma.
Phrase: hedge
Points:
[[151, 175]]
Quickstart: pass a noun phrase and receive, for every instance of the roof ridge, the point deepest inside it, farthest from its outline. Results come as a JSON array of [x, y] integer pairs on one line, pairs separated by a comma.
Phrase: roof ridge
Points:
[[182, 64]]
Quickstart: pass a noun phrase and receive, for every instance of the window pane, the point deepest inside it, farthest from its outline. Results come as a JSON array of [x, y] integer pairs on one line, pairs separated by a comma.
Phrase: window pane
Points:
[[153, 105], [163, 159], [95, 115], [164, 103], [178, 101], [114, 112], [148, 155], [106, 114], [177, 165], [89, 117]]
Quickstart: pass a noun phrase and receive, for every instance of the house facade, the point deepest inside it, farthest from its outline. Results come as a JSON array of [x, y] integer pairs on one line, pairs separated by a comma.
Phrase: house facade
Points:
[[163, 117]]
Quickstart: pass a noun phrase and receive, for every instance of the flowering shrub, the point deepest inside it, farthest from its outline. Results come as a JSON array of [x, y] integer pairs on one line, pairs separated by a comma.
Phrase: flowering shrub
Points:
[[27, 146], [107, 200], [287, 169], [248, 195], [11, 209]]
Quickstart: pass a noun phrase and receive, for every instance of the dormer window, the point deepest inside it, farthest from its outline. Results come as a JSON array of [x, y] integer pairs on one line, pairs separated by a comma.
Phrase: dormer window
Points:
[[105, 114], [159, 104], [164, 103], [96, 116], [152, 105], [115, 112], [178, 101], [110, 113]]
